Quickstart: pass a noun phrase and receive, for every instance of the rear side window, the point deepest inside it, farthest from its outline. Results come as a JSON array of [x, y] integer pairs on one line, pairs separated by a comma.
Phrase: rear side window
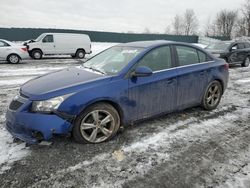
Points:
[[187, 55], [48, 38], [203, 57], [247, 45], [240, 46], [3, 44], [157, 59]]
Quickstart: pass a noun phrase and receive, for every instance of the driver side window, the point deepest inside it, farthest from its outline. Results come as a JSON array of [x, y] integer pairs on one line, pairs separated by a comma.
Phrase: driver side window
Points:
[[157, 59], [48, 38]]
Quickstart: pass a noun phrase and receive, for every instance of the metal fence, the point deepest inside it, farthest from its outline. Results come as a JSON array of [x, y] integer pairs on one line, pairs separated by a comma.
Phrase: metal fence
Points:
[[22, 34]]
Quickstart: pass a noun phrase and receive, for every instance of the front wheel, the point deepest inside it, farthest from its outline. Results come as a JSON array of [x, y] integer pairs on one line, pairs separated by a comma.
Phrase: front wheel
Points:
[[13, 58], [37, 54], [96, 124], [212, 96], [246, 62]]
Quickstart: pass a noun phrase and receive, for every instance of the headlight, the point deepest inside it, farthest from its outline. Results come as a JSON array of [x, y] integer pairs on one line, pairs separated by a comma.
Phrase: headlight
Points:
[[48, 105]]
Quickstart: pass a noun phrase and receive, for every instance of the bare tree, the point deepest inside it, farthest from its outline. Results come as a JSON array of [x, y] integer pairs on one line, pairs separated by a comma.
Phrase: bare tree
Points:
[[190, 22], [146, 30], [225, 22], [168, 30], [210, 28], [245, 21], [178, 25], [240, 28]]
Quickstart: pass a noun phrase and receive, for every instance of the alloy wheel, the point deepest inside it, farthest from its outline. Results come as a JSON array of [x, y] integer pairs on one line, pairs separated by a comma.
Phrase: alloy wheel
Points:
[[14, 59], [97, 126], [213, 95]]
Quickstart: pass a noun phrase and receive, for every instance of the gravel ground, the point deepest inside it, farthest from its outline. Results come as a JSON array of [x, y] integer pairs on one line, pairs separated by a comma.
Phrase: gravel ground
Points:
[[192, 148]]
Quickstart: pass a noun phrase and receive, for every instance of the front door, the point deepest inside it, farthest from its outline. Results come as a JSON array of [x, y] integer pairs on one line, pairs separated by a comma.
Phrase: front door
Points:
[[154, 94], [48, 45], [238, 53]]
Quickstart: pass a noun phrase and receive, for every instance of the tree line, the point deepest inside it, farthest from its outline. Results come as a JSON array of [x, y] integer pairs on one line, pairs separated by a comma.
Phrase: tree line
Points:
[[227, 23]]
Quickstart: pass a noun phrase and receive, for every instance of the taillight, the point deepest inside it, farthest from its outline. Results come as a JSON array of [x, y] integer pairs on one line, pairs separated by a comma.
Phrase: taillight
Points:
[[24, 49], [226, 66]]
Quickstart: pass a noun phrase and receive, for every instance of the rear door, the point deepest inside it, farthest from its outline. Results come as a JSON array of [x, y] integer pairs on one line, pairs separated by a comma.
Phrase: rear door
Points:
[[154, 94], [48, 45], [191, 75]]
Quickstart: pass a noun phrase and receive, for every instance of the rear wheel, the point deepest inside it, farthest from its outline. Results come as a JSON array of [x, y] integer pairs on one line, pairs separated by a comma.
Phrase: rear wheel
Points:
[[246, 62], [36, 54], [212, 96], [96, 124], [80, 54], [13, 58]]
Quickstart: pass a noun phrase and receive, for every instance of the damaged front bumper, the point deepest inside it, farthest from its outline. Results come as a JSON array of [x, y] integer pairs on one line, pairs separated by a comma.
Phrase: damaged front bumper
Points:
[[34, 127]]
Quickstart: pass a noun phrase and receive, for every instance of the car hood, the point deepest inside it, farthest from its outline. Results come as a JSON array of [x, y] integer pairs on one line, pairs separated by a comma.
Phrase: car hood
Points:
[[57, 81]]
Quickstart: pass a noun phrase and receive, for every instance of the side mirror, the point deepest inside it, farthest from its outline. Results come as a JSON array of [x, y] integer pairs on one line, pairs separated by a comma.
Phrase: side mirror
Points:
[[233, 48], [142, 71]]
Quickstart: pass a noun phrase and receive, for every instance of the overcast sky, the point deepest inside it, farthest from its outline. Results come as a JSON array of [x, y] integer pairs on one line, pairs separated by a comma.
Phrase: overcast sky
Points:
[[106, 15]]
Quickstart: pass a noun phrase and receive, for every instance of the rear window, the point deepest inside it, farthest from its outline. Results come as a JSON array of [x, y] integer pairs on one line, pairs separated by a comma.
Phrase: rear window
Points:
[[3, 44]]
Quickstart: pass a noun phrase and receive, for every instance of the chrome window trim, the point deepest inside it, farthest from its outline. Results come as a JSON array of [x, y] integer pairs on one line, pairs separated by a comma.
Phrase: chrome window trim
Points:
[[206, 62]]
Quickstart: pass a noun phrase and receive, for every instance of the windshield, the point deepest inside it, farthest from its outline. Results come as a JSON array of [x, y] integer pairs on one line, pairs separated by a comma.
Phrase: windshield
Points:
[[218, 46], [113, 60], [40, 37]]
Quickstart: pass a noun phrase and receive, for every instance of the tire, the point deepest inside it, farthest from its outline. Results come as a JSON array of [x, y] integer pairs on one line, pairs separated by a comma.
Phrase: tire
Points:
[[36, 54], [13, 58], [98, 123], [80, 54], [246, 62], [212, 96]]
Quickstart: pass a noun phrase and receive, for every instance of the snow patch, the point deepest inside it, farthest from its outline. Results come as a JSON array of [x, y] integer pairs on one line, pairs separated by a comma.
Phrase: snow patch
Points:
[[9, 151]]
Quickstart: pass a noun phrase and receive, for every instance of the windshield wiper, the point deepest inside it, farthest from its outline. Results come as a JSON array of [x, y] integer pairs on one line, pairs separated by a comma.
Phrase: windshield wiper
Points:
[[96, 70]]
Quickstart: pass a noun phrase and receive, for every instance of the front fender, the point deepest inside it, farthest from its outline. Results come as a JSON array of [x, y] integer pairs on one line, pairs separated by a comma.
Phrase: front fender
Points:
[[115, 92]]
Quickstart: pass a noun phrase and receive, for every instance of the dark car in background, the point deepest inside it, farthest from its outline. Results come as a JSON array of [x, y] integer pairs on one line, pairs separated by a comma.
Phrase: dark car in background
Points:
[[232, 52]]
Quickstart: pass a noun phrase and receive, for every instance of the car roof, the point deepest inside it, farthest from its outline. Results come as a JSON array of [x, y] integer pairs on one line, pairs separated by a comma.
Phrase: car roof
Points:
[[152, 43], [63, 34]]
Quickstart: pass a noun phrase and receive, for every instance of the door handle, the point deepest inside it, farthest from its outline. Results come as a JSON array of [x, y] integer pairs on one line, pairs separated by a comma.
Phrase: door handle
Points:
[[202, 73], [170, 81]]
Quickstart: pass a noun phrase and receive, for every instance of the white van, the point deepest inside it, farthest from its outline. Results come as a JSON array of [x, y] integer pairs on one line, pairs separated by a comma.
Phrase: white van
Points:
[[76, 45]]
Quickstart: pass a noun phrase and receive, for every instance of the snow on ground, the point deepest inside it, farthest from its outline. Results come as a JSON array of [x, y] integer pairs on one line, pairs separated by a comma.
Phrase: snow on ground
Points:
[[14, 76], [154, 148]]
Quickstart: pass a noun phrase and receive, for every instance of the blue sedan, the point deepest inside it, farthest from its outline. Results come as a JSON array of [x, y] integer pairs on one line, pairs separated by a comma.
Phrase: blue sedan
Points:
[[119, 86]]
